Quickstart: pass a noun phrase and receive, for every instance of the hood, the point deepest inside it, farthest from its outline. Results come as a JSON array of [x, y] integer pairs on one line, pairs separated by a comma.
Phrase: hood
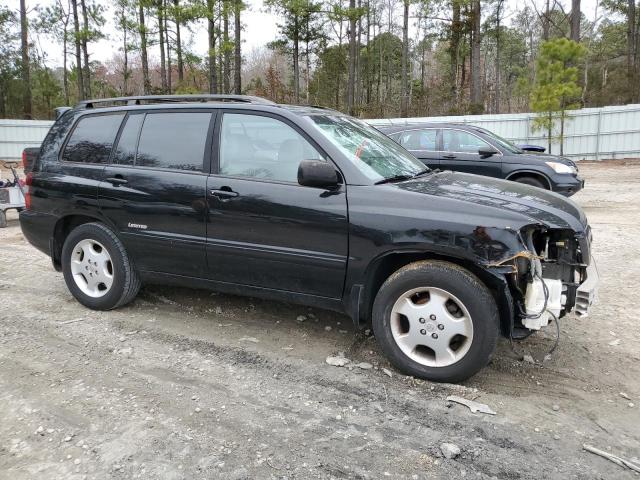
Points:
[[530, 204], [540, 158]]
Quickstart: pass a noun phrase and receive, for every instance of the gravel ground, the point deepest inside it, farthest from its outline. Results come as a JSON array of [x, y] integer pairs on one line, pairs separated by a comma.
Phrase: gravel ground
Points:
[[186, 384]]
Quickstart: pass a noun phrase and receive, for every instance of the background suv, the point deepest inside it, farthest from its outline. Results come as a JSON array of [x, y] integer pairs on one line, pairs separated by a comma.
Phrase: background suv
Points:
[[466, 148], [305, 205]]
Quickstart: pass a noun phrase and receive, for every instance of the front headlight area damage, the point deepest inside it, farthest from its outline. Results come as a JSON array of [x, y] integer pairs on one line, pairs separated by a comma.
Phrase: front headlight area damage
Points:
[[551, 276]]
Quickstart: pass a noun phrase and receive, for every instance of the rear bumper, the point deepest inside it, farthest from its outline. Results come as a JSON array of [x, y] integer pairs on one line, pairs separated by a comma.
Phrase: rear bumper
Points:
[[587, 291], [38, 228]]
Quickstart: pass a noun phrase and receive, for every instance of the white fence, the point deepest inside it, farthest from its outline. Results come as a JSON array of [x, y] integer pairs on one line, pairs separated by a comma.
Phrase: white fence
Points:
[[16, 135], [590, 134]]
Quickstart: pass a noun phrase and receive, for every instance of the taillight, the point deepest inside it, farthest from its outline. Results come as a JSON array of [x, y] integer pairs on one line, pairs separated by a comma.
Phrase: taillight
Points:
[[27, 189], [24, 158]]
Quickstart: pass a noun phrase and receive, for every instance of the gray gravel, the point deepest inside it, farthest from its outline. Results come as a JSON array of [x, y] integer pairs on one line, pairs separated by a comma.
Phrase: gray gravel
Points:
[[185, 384]]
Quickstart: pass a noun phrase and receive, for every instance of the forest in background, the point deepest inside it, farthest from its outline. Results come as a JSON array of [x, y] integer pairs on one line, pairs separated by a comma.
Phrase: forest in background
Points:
[[370, 58]]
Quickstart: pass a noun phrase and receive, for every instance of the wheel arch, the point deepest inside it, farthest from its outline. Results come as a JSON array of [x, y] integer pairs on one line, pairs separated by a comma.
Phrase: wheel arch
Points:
[[63, 228], [385, 265], [530, 173]]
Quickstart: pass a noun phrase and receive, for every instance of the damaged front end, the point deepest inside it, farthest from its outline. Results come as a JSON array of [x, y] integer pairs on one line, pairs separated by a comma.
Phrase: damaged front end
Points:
[[552, 275]]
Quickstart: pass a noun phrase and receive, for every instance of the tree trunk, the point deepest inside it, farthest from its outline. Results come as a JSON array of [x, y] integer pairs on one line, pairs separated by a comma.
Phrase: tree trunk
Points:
[[498, 46], [213, 74], [166, 34], [296, 58], [454, 47], [575, 20], [631, 45], [176, 4], [146, 85], [225, 47], [26, 75], [65, 73], [546, 22], [76, 31], [163, 62], [476, 79], [85, 52], [367, 68], [404, 74], [237, 60], [351, 81], [358, 86], [307, 64], [125, 67]]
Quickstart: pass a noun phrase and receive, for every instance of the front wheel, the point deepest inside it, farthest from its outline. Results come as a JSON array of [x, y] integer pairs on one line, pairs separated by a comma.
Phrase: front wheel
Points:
[[97, 269], [534, 182], [436, 320]]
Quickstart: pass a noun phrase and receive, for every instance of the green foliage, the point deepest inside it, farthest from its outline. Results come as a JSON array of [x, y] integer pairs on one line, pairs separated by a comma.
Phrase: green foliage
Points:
[[556, 87]]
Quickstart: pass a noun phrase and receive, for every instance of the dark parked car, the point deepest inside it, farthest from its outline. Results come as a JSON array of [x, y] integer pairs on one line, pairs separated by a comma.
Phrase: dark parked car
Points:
[[307, 205], [466, 148]]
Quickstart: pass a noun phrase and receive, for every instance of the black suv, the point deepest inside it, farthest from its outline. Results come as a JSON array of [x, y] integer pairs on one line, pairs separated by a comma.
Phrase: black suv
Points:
[[307, 205], [466, 148]]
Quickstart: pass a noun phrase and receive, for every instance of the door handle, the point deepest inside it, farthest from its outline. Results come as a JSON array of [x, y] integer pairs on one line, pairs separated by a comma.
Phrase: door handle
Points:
[[448, 155], [223, 193], [116, 181]]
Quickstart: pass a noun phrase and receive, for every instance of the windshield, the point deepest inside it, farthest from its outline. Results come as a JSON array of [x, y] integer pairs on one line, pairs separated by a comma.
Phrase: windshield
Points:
[[375, 154], [505, 144]]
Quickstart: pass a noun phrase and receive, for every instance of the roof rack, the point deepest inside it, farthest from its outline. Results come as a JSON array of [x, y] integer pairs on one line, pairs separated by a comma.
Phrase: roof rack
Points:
[[154, 99]]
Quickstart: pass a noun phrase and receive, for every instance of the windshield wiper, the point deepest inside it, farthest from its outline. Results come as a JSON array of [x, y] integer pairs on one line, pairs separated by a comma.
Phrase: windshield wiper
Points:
[[423, 172], [395, 178]]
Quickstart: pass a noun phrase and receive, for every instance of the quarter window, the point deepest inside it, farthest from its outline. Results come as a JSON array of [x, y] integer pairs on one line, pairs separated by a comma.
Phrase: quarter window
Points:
[[461, 141], [92, 139], [125, 153], [262, 147], [419, 139], [173, 140]]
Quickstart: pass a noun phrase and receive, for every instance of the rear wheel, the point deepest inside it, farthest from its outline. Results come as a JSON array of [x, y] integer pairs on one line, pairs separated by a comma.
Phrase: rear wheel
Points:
[[436, 320], [3, 219], [97, 269], [534, 182]]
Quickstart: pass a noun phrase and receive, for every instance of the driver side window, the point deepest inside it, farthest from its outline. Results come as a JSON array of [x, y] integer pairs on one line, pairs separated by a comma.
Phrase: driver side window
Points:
[[262, 147], [462, 142]]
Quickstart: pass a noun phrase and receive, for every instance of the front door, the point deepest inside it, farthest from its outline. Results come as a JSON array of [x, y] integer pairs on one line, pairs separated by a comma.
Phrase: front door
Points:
[[264, 229], [460, 154], [424, 144], [154, 190]]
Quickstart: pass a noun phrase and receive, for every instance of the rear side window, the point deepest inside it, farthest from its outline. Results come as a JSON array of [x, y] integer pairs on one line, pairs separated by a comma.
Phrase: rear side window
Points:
[[173, 140], [419, 139], [92, 139]]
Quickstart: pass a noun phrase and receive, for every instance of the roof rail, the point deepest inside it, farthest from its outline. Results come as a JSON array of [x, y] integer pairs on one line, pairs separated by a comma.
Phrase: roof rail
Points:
[[154, 99]]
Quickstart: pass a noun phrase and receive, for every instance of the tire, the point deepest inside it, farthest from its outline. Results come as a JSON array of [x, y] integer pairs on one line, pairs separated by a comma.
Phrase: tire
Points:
[[440, 299], [97, 269], [3, 219], [534, 182]]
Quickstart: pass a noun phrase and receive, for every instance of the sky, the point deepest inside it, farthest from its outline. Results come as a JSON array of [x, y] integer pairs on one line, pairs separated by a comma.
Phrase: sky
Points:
[[260, 27]]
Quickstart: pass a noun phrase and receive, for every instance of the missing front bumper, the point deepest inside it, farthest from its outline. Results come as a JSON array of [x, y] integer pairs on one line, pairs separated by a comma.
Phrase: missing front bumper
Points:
[[587, 291]]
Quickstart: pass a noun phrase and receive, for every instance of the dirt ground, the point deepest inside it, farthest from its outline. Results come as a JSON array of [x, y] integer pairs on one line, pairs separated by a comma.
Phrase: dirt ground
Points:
[[185, 384]]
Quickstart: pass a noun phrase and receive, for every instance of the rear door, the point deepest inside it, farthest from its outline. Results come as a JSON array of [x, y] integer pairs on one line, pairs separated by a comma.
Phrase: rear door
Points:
[[264, 229], [424, 144], [460, 153], [154, 190]]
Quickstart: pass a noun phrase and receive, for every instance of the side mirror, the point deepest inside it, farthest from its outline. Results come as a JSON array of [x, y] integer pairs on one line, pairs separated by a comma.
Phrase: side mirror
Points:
[[487, 152], [317, 174]]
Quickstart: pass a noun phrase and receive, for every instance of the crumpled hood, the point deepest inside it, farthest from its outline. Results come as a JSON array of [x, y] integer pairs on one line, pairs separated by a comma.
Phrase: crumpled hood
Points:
[[532, 204]]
